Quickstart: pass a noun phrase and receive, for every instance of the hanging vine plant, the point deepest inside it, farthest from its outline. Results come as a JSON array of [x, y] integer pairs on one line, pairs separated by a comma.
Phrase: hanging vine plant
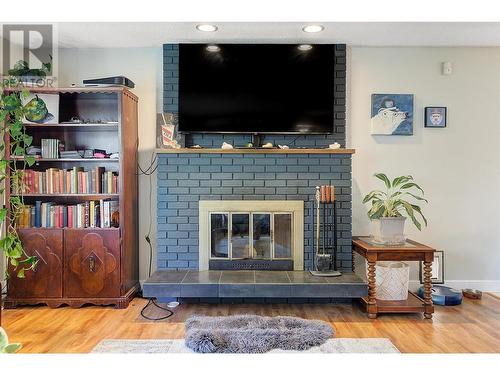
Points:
[[13, 161]]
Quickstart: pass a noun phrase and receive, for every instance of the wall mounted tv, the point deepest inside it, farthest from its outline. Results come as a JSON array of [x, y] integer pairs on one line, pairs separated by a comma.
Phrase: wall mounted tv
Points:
[[256, 88]]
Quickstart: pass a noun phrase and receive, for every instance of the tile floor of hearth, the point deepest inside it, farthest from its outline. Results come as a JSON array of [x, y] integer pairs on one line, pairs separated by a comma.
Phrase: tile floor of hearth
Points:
[[251, 284]]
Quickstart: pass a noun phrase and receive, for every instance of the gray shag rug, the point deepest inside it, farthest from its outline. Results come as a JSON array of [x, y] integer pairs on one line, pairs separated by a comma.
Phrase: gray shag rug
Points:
[[253, 333], [336, 346]]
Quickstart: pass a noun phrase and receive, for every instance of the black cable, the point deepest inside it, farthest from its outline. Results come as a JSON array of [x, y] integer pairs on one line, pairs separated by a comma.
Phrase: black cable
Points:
[[149, 171], [152, 301]]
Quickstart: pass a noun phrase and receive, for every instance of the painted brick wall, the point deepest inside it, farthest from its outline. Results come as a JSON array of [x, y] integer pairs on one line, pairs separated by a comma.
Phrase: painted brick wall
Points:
[[184, 179], [171, 104]]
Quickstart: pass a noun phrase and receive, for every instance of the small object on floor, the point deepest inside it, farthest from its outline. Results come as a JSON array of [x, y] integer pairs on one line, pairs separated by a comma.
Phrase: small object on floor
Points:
[[195, 146], [267, 145], [254, 334], [443, 295], [283, 147], [472, 293], [227, 146], [249, 145], [329, 273], [334, 146], [173, 304]]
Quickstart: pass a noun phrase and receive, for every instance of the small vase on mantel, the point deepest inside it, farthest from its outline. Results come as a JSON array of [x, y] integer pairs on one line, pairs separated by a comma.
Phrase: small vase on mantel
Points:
[[388, 230]]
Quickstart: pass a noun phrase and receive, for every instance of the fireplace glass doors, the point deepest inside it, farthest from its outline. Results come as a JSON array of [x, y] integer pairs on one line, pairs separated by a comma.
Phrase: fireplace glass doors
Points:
[[251, 235]]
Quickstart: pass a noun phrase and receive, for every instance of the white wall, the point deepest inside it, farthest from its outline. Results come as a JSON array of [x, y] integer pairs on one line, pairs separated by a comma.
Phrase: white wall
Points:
[[458, 167], [144, 67]]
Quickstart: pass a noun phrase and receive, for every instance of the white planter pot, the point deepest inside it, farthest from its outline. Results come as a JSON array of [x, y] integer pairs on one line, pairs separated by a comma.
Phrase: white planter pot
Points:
[[389, 230]]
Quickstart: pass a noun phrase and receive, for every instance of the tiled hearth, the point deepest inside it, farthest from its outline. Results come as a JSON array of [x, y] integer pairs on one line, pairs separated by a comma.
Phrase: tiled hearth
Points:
[[270, 286]]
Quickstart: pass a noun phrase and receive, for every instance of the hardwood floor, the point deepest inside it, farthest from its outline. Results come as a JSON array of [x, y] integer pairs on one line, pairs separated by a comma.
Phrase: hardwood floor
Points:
[[473, 326]]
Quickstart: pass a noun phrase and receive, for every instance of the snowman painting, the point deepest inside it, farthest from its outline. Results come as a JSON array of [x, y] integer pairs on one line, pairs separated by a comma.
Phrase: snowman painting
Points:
[[392, 114]]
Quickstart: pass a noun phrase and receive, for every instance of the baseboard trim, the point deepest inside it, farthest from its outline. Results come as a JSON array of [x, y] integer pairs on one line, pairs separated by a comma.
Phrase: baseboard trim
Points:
[[483, 285]]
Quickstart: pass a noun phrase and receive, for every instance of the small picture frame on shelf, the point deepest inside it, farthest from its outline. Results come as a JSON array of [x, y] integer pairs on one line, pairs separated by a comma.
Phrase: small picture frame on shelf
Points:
[[435, 117], [437, 276]]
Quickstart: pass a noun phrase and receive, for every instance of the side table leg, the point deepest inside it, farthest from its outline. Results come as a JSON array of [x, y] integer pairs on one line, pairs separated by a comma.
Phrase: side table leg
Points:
[[428, 307], [371, 306]]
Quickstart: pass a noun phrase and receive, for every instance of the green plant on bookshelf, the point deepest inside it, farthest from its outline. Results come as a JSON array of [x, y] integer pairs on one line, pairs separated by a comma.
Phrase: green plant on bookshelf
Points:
[[12, 113]]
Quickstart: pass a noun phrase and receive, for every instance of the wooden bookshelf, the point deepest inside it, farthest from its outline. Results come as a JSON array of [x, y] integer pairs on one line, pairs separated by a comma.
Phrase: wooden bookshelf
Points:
[[90, 265]]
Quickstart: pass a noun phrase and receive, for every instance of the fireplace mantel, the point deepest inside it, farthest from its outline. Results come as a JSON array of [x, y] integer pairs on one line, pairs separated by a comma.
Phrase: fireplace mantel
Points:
[[255, 151]]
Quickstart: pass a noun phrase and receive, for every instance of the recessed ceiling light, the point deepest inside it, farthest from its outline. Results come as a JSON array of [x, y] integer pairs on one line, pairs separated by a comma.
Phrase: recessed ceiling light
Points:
[[212, 48], [206, 27], [313, 28], [304, 47]]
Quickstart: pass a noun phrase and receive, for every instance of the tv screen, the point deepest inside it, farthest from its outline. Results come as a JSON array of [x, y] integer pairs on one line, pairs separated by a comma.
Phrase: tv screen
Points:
[[256, 88]]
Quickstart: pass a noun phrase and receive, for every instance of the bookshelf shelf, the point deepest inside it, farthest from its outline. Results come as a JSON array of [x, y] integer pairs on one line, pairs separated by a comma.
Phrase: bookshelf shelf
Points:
[[88, 264], [95, 127], [80, 160], [92, 196]]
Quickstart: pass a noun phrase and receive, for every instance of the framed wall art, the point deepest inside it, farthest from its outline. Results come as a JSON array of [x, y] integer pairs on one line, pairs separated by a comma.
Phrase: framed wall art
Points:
[[435, 117], [437, 276], [392, 114]]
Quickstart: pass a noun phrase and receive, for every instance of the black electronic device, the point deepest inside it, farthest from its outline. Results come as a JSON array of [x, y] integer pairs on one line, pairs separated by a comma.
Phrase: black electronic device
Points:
[[256, 88], [110, 81]]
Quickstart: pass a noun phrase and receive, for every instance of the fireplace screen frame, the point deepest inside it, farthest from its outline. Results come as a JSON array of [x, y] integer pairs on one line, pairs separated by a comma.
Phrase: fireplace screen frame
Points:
[[251, 237], [227, 207]]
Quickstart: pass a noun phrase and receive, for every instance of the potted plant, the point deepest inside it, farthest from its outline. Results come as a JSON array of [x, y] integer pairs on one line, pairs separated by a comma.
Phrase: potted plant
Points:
[[12, 114], [391, 207]]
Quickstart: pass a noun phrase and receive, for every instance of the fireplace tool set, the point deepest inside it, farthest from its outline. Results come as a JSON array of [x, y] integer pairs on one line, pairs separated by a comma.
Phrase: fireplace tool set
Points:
[[325, 233]]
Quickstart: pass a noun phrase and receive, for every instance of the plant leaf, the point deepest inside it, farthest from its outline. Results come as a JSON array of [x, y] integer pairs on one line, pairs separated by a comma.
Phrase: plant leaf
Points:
[[409, 210], [30, 160], [383, 177], [4, 339], [373, 194], [416, 208], [20, 273], [416, 197], [3, 214], [401, 180], [12, 348], [411, 185]]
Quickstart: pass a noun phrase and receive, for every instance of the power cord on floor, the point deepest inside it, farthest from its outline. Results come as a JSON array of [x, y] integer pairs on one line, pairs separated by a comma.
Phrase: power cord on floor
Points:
[[149, 171], [152, 301]]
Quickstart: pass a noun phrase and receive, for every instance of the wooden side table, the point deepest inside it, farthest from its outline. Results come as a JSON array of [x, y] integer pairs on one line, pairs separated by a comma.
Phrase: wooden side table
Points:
[[410, 251]]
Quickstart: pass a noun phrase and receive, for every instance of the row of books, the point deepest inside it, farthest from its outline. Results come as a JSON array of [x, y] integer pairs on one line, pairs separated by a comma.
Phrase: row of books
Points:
[[91, 214], [50, 148], [70, 181]]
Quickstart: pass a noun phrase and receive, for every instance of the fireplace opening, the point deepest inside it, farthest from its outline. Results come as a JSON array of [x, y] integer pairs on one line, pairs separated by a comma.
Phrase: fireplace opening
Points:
[[241, 235]]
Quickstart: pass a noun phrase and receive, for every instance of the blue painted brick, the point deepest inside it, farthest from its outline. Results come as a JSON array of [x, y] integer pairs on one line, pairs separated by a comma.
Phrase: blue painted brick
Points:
[[199, 161], [199, 176], [177, 264], [232, 183], [275, 183], [188, 256], [253, 183], [222, 176], [201, 190]]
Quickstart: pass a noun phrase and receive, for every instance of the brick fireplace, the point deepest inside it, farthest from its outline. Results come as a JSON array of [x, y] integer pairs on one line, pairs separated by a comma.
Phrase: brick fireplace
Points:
[[185, 179]]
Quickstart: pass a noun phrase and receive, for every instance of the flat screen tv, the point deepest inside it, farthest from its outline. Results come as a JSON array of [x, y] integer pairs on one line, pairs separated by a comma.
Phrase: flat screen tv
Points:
[[256, 88]]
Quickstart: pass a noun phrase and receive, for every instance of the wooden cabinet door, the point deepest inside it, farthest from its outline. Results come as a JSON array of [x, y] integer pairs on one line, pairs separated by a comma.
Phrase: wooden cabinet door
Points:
[[46, 279], [92, 263]]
